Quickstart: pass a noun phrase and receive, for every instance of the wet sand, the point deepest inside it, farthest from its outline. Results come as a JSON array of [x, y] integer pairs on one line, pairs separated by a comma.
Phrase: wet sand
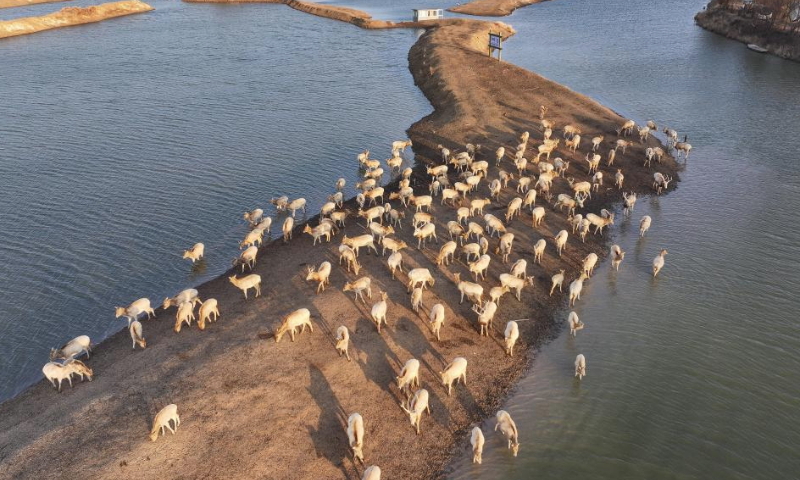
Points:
[[69, 16], [492, 8], [24, 3], [253, 408]]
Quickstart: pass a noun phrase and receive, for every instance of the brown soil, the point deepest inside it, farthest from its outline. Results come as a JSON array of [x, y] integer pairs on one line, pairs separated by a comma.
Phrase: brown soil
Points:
[[24, 3], [253, 408], [785, 44], [69, 16], [492, 8]]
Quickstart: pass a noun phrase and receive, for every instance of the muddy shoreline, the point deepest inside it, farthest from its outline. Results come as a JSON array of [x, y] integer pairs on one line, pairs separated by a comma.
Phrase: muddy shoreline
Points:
[[254, 408]]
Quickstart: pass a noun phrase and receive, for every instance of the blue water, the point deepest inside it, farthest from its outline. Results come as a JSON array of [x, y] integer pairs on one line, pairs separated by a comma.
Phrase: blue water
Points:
[[127, 141]]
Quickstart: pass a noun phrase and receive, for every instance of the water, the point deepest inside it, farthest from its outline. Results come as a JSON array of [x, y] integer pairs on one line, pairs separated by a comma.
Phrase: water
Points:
[[126, 141], [123, 143], [693, 375]]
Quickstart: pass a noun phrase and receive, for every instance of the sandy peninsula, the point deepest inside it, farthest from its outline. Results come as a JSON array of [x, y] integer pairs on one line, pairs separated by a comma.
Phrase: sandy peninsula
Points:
[[25, 3], [69, 16], [254, 408], [492, 8]]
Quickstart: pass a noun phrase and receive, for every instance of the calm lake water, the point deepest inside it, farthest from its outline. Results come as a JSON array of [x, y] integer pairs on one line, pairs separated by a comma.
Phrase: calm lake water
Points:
[[694, 375], [127, 141], [124, 142]]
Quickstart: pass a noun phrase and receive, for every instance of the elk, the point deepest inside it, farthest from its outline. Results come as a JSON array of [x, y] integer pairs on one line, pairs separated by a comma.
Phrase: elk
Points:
[[557, 280], [580, 366], [246, 283], [499, 154], [601, 221], [72, 349], [538, 250], [514, 283], [322, 230], [623, 144], [619, 178], [511, 335], [395, 261], [485, 316], [343, 341], [477, 440], [472, 291], [593, 161], [612, 154], [423, 233], [570, 131], [683, 147], [596, 141], [135, 329], [162, 421], [195, 253], [299, 318], [644, 225], [580, 187], [253, 216], [247, 258], [453, 372], [626, 128], [420, 277], [538, 216], [589, 263], [419, 404], [630, 202], [436, 319], [356, 243], [504, 247], [575, 289], [573, 143], [132, 311], [575, 324], [658, 263], [561, 241], [661, 182], [209, 311], [617, 255], [358, 286], [564, 200], [446, 253], [409, 376], [509, 430], [321, 275], [355, 435]]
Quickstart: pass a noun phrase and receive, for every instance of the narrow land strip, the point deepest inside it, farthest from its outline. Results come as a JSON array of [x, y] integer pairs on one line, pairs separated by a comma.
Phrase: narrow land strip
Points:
[[253, 408]]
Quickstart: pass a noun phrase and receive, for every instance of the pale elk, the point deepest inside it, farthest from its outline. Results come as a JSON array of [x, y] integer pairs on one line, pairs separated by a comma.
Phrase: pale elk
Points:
[[644, 225], [575, 324], [321, 275], [617, 255], [557, 280], [343, 341], [580, 366], [246, 283], [358, 287], [658, 263]]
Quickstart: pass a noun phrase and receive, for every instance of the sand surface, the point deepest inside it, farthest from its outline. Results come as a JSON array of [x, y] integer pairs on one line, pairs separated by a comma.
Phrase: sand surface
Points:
[[69, 16], [492, 8], [254, 408], [23, 3]]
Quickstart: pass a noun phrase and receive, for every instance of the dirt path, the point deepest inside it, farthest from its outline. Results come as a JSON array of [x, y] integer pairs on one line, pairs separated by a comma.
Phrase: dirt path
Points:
[[251, 408]]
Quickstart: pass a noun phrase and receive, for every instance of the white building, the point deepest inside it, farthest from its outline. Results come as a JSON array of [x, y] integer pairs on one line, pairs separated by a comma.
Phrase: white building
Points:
[[428, 14]]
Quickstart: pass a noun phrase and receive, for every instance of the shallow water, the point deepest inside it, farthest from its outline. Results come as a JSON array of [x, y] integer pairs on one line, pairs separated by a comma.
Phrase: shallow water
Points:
[[692, 375], [127, 141], [117, 153]]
